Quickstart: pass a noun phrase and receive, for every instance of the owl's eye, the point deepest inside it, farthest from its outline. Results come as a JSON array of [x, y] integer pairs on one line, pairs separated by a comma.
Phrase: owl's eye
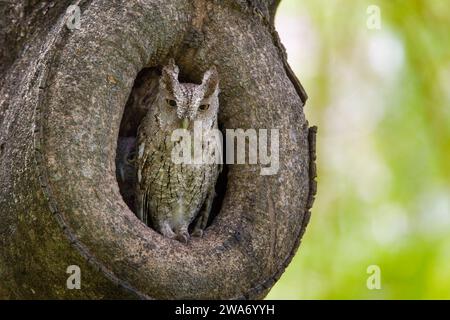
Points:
[[171, 103], [131, 158], [204, 107]]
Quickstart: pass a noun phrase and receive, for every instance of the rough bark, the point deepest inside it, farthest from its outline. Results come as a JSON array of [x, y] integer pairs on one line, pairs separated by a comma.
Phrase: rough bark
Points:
[[61, 103]]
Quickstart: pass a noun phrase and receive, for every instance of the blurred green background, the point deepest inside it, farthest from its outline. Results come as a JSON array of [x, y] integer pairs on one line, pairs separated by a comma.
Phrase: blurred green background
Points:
[[380, 97]]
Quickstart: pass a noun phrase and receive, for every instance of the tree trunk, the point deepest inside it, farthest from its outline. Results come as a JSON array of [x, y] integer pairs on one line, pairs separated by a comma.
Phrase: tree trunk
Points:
[[62, 98]]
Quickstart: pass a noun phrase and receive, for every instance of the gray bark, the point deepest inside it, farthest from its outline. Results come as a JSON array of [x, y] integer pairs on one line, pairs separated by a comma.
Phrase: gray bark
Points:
[[61, 103]]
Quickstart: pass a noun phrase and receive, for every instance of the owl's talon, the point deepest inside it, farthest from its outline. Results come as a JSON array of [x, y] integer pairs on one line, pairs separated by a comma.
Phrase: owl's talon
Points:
[[197, 233], [167, 232], [183, 237]]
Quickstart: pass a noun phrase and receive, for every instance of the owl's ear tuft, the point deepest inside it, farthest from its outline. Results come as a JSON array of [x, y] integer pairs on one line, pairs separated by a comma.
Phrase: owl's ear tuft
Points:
[[169, 76], [210, 81]]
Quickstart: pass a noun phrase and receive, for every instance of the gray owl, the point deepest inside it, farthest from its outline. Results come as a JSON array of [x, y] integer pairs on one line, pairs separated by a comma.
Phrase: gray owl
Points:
[[170, 195]]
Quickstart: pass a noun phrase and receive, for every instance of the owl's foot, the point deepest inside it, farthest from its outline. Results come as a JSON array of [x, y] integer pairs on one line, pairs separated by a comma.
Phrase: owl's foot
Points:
[[197, 233], [167, 232], [182, 235]]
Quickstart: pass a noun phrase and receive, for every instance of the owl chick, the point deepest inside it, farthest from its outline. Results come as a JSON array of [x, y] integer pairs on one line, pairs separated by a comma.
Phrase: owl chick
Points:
[[170, 195], [125, 169]]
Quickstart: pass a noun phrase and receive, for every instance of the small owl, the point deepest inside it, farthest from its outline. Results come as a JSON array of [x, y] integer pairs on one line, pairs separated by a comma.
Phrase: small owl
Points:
[[170, 195], [125, 169]]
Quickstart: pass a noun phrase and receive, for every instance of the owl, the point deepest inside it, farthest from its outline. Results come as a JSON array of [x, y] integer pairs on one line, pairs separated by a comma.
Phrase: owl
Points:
[[170, 195], [125, 169]]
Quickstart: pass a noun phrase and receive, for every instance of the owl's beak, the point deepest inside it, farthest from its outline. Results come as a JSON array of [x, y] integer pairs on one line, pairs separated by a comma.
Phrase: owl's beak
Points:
[[185, 123]]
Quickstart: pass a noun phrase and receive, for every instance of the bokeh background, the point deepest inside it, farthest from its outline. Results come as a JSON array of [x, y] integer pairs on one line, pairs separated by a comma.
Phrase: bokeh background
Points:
[[381, 99]]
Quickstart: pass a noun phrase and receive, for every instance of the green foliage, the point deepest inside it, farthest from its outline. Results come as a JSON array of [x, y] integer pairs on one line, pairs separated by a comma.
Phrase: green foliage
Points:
[[381, 100]]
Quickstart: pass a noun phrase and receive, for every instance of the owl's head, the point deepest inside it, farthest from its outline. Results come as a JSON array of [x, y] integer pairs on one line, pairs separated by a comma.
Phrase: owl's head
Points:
[[185, 103]]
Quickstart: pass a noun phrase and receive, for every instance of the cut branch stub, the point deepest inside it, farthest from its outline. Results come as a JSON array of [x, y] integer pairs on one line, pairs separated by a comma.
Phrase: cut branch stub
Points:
[[63, 206]]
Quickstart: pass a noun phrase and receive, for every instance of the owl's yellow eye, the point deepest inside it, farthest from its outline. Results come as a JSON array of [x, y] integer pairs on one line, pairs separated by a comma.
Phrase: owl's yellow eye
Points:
[[171, 103], [204, 107]]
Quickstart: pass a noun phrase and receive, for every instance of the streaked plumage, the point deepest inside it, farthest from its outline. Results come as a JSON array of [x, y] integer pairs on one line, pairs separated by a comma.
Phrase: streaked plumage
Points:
[[169, 195]]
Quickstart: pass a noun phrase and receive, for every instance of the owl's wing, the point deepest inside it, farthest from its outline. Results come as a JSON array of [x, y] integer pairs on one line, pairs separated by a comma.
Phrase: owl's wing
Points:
[[139, 206]]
